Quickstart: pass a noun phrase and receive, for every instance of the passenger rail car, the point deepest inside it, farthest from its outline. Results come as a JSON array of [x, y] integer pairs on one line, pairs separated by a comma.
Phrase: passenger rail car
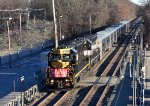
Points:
[[93, 52], [68, 61]]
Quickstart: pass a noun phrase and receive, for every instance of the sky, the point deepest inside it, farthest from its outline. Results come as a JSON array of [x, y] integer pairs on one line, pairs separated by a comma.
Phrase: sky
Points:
[[139, 2]]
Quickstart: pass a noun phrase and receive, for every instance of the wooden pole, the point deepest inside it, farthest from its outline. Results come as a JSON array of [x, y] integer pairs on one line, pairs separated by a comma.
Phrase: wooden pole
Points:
[[55, 24]]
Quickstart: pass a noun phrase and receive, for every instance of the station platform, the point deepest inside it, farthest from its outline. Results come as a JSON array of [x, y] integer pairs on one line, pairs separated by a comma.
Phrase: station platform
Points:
[[122, 93]]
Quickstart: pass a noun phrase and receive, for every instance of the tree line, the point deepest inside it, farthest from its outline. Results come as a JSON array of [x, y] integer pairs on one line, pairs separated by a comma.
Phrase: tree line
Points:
[[145, 12], [73, 15]]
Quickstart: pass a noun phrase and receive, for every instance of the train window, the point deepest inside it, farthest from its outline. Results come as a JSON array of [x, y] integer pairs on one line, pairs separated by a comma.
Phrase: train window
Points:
[[66, 56], [56, 57]]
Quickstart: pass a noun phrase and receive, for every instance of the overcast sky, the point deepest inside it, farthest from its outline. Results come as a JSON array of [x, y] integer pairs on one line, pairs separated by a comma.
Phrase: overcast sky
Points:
[[138, 1]]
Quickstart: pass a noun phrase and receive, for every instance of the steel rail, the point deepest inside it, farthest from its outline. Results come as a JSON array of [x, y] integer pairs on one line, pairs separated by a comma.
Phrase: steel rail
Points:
[[99, 103], [119, 64], [90, 94], [107, 88], [47, 99], [116, 56], [95, 86], [63, 98], [109, 66]]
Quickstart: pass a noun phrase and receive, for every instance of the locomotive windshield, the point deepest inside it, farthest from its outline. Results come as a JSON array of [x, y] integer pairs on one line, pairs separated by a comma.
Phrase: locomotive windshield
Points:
[[65, 56], [55, 56]]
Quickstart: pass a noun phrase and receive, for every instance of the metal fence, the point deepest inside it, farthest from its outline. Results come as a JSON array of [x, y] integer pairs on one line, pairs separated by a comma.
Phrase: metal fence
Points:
[[20, 98]]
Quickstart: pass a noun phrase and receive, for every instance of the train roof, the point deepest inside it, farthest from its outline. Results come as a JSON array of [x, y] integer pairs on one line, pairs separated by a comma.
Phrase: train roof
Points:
[[103, 34], [108, 31], [91, 38], [72, 44], [124, 22]]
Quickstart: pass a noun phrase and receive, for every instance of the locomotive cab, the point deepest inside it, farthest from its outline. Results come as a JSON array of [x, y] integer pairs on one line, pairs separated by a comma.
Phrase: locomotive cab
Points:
[[61, 63]]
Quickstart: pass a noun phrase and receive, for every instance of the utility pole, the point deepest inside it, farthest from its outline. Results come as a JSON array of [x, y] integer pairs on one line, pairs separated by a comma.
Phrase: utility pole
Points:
[[8, 35], [20, 20], [10, 65], [20, 23], [45, 20], [60, 29], [90, 23], [28, 19], [8, 32], [60, 17], [34, 20], [56, 37]]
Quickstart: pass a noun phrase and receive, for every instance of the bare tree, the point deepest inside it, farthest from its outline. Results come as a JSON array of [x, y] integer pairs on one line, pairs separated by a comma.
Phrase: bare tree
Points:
[[145, 12], [75, 17]]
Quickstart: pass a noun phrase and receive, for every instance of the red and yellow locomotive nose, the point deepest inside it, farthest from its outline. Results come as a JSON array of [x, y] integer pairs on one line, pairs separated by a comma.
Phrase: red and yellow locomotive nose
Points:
[[56, 64], [59, 64], [59, 69], [58, 72]]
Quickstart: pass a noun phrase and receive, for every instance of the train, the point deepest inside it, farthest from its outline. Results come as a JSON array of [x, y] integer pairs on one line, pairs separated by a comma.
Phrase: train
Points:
[[66, 63]]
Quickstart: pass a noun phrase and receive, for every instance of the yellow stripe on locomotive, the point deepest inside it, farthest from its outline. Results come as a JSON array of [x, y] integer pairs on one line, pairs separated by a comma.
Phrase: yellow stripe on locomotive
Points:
[[61, 51]]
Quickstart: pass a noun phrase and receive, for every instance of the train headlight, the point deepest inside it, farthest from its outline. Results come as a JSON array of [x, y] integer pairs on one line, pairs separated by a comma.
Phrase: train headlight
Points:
[[52, 81], [66, 80]]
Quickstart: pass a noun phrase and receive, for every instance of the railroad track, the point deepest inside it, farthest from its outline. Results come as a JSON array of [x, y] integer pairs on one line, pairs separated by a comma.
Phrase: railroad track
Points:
[[103, 66], [101, 90], [63, 98], [47, 100], [55, 99], [108, 71]]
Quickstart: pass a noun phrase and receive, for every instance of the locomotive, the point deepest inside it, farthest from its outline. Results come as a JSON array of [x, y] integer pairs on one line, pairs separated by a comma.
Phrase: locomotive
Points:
[[69, 60], [66, 63]]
